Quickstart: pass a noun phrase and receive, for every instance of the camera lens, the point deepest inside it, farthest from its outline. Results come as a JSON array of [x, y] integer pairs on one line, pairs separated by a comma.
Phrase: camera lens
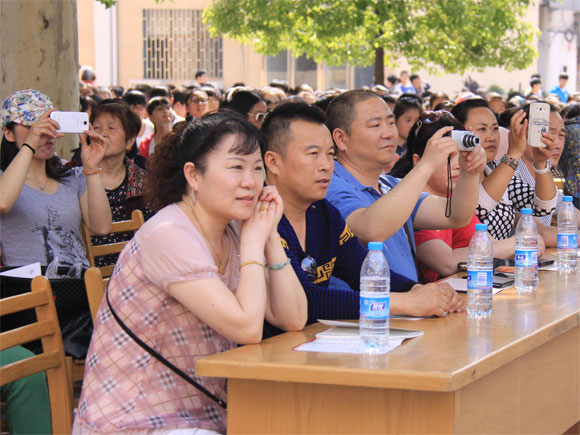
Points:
[[470, 141]]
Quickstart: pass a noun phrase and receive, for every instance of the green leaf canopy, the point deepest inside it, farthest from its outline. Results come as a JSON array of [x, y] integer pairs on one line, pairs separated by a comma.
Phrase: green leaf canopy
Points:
[[447, 35]]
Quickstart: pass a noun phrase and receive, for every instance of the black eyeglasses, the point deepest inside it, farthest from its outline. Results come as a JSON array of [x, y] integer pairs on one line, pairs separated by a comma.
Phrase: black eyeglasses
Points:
[[308, 265]]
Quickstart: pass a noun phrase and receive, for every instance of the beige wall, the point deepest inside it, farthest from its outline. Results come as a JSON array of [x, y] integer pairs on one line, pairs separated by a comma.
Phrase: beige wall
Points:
[[86, 32], [242, 63]]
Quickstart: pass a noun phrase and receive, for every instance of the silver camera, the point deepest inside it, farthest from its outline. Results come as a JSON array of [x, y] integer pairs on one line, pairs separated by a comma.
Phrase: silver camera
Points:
[[465, 140]]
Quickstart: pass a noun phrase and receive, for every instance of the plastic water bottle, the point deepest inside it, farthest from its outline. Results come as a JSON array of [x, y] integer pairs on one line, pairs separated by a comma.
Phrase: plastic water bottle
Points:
[[375, 285], [526, 253], [567, 236], [479, 273]]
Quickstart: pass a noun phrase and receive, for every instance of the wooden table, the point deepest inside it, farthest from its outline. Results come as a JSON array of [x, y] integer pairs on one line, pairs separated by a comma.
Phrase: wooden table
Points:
[[518, 372]]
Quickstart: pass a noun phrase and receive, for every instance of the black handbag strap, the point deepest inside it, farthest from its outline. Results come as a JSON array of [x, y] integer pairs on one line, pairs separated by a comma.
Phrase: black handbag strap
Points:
[[161, 359]]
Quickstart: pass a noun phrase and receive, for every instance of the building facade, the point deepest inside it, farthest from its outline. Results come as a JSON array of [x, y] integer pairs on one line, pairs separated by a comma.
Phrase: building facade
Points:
[[140, 41]]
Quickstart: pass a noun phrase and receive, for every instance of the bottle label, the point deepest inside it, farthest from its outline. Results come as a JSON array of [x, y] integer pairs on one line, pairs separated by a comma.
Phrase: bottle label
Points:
[[374, 307], [526, 257], [567, 241], [479, 279]]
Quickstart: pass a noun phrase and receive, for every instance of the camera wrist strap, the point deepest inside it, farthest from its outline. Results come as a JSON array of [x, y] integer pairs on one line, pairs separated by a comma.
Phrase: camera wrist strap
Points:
[[449, 189]]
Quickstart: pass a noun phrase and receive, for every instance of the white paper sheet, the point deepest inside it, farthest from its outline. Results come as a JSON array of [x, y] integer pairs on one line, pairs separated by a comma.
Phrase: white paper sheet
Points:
[[343, 346], [352, 333], [28, 271]]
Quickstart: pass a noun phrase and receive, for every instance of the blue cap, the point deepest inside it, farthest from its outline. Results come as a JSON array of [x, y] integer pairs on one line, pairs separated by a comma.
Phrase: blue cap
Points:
[[375, 246], [480, 227], [567, 199], [526, 211]]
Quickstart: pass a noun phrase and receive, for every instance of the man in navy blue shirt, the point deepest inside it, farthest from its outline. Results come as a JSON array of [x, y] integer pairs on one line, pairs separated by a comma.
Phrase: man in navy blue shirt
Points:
[[317, 240], [381, 207]]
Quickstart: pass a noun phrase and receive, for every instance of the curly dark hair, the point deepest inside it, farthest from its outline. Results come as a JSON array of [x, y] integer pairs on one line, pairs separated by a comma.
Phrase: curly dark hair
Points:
[[166, 183]]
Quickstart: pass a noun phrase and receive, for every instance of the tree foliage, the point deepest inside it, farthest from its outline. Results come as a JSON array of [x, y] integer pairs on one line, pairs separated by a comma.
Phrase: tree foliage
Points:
[[447, 35], [109, 3]]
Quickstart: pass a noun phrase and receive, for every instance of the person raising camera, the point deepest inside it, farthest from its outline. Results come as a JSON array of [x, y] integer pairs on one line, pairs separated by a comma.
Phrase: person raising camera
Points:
[[42, 203]]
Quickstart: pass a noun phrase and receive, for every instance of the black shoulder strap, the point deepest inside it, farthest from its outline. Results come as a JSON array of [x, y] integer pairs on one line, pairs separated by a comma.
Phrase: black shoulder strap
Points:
[[161, 359]]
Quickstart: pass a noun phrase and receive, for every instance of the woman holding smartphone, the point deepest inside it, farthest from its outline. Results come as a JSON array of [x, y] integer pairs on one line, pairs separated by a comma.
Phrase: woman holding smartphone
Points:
[[198, 278], [501, 194], [42, 203]]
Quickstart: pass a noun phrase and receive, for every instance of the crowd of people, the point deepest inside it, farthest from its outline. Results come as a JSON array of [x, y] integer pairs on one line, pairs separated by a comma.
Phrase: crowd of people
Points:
[[259, 204]]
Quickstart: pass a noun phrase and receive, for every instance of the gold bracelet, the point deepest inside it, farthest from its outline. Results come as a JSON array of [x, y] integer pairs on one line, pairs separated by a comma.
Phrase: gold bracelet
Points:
[[96, 171], [246, 263]]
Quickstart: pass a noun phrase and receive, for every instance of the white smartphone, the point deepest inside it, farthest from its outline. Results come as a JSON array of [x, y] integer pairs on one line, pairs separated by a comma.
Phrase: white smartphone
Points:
[[71, 122], [538, 123]]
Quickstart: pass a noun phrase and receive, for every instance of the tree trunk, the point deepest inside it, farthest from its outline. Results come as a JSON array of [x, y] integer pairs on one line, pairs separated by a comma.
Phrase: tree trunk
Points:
[[379, 66], [39, 50]]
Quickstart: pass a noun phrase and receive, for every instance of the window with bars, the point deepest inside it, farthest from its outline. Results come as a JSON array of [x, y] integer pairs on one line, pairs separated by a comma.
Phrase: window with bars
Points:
[[176, 44]]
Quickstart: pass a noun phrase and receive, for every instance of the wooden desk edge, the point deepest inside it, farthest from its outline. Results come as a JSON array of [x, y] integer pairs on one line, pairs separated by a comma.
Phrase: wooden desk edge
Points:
[[220, 366]]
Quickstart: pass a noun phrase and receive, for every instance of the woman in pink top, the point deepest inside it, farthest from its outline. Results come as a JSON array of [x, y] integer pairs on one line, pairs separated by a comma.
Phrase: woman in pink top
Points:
[[197, 279]]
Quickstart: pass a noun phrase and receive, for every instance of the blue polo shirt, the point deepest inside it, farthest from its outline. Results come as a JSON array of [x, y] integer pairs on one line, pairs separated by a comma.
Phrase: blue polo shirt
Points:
[[347, 194], [562, 93], [407, 89]]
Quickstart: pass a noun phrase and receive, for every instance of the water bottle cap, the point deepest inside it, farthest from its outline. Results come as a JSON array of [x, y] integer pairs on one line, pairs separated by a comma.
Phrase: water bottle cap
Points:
[[375, 246], [567, 199], [526, 211], [480, 227]]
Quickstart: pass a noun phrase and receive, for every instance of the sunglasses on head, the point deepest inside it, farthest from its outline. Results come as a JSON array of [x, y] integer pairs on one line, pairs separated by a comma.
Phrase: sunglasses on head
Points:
[[260, 116], [427, 117], [309, 266]]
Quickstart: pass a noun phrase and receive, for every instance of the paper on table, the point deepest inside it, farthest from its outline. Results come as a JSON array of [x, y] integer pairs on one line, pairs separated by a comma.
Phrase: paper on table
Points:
[[343, 346], [405, 317], [460, 285], [553, 266], [28, 271], [350, 333]]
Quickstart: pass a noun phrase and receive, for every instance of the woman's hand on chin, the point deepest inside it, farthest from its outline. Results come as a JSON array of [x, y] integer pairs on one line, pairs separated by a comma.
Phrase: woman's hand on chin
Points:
[[264, 220]]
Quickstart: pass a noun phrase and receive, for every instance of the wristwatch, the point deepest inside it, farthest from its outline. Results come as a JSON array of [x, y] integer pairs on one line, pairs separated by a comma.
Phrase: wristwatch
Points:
[[510, 161], [542, 171]]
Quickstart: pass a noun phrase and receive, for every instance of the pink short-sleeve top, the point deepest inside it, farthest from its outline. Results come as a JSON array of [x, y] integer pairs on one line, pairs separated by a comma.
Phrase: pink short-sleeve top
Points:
[[125, 388]]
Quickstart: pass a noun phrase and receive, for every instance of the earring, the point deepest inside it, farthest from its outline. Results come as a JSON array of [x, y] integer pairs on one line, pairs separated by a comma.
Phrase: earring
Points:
[[193, 197]]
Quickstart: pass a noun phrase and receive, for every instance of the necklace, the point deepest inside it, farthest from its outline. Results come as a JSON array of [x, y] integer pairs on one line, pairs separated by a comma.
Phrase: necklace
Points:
[[221, 265], [41, 186]]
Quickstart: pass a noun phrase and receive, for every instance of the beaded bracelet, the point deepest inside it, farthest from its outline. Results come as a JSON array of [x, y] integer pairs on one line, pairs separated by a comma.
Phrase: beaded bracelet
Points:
[[278, 266], [30, 147], [510, 161], [246, 263]]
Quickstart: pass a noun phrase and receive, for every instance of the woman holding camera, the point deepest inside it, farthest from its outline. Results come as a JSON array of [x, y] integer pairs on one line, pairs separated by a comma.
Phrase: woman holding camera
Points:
[[439, 251], [501, 194], [198, 278], [43, 203]]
